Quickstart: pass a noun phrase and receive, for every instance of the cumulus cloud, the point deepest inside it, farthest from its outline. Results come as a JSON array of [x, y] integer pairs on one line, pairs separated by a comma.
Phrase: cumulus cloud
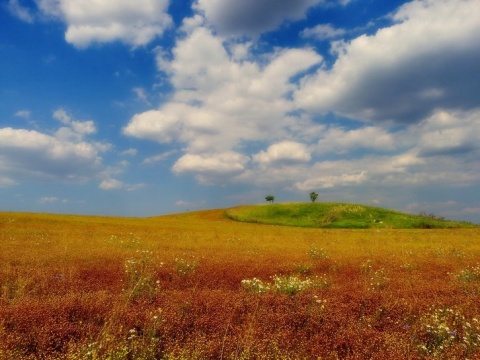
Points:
[[72, 128], [211, 167], [66, 154], [442, 151], [284, 152], [251, 17], [111, 184], [399, 73], [220, 104], [232, 112], [450, 133], [41, 155], [97, 21], [418, 156]]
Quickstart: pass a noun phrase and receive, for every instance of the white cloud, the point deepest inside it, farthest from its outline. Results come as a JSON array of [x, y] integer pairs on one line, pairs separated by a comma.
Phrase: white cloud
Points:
[[400, 73], [450, 133], [98, 21], [73, 129], [111, 184], [211, 167], [284, 152], [226, 102], [162, 126], [221, 104], [40, 155], [323, 32], [66, 154]]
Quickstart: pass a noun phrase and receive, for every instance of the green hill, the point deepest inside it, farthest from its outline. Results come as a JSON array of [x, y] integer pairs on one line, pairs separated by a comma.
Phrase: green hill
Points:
[[336, 215]]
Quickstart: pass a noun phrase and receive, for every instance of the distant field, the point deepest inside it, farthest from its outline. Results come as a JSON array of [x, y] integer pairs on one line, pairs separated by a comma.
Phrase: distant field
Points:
[[201, 286], [338, 216]]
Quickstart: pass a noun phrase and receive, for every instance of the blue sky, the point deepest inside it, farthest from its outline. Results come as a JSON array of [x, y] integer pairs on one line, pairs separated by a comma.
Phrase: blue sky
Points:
[[147, 107]]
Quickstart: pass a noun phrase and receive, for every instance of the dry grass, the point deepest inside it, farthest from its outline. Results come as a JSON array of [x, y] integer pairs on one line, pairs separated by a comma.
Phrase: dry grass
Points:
[[171, 288]]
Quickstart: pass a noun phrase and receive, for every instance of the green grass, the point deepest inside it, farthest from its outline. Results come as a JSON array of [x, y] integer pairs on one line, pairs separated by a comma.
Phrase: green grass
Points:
[[338, 216]]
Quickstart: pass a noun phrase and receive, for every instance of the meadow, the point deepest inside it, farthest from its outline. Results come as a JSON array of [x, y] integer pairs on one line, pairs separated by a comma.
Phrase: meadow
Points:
[[202, 286]]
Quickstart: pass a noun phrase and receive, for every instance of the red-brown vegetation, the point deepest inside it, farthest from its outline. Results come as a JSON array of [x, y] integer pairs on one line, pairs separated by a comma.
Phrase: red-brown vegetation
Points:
[[171, 288]]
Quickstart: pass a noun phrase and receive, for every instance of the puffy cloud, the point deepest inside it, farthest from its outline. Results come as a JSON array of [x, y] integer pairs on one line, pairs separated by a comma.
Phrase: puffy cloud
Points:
[[450, 133], [41, 155], [251, 17], [64, 155], [220, 103], [399, 73], [162, 126], [284, 152], [99, 21], [212, 167], [226, 102], [111, 184], [73, 129]]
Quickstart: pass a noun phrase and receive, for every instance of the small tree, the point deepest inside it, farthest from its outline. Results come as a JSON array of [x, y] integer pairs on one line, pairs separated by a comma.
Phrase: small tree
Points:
[[270, 198], [313, 196]]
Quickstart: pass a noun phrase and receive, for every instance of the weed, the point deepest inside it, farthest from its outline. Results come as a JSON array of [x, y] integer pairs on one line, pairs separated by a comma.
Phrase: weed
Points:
[[140, 280], [443, 328], [184, 268], [303, 269], [255, 286], [469, 275], [289, 285], [379, 280], [318, 254]]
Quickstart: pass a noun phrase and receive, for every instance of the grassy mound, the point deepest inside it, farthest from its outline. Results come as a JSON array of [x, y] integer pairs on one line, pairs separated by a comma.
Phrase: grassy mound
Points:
[[335, 215]]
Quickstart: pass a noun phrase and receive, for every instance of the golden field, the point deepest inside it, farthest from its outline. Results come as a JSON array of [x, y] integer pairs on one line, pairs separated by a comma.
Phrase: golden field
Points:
[[201, 286]]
